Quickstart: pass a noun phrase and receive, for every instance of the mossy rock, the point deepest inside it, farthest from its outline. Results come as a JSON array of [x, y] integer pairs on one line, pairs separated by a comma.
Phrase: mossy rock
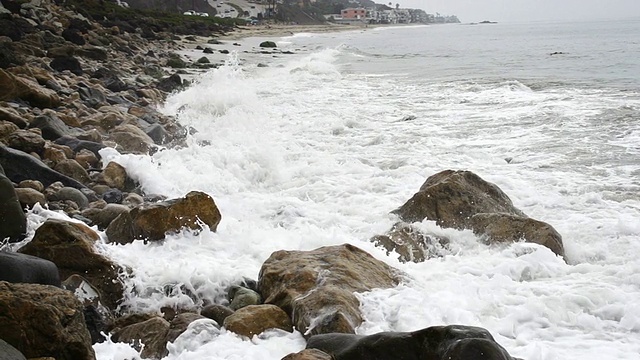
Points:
[[176, 63], [268, 44]]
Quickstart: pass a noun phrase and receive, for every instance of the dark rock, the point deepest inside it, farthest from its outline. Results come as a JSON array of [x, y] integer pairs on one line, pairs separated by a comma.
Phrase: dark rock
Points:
[[73, 36], [500, 228], [216, 312], [224, 51], [21, 268], [41, 321], [152, 221], [203, 60], [268, 44], [63, 51], [316, 288], [15, 28], [27, 141], [9, 56], [51, 126], [8, 352], [255, 319], [71, 194], [95, 322], [451, 198], [453, 342], [157, 133], [93, 53], [13, 222], [176, 63], [208, 50], [77, 145], [21, 166], [71, 247], [171, 83], [240, 297], [113, 196], [67, 63], [103, 217], [92, 97], [308, 354], [411, 244], [152, 333]]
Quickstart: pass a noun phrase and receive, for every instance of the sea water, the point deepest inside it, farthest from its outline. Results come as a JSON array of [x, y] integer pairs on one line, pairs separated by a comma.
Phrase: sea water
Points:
[[318, 147]]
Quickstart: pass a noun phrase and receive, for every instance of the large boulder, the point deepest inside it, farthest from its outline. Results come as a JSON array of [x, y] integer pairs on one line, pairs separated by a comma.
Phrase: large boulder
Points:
[[20, 166], [22, 268], [44, 321], [255, 319], [453, 342], [13, 222], [451, 198], [316, 288], [411, 244], [71, 247], [20, 87], [52, 127], [152, 221], [499, 228]]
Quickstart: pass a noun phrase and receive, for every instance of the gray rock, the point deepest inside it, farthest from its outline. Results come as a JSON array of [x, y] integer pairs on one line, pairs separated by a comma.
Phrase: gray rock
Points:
[[8, 352], [75, 195], [13, 222], [22, 268], [240, 297], [51, 126]]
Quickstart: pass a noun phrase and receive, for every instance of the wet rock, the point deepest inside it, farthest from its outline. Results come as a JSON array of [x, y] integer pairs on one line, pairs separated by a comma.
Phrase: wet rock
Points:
[[27, 141], [87, 159], [157, 133], [152, 221], [70, 63], [78, 145], [308, 354], [22, 268], [72, 169], [41, 320], [152, 333], [131, 139], [216, 312], [91, 96], [21, 166], [411, 244], [240, 297], [13, 222], [113, 196], [316, 288], [103, 217], [500, 228], [451, 198], [453, 342], [180, 323], [255, 319], [19, 87], [29, 197], [71, 247], [115, 176], [52, 127], [171, 83], [95, 314], [71, 194]]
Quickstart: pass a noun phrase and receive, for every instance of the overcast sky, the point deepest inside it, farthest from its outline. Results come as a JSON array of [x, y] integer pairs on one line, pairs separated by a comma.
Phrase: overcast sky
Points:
[[528, 10]]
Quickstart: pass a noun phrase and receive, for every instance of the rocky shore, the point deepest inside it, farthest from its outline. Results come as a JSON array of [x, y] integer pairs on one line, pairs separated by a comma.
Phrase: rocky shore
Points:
[[71, 87]]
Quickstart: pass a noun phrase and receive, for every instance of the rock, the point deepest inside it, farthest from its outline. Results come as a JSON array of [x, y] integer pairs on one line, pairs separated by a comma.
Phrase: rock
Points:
[[29, 197], [70, 246], [152, 221], [451, 198], [411, 244], [308, 354], [19, 87], [87, 159], [72, 169], [131, 139], [203, 60], [27, 141], [21, 268], [180, 323], [511, 228], [41, 320], [171, 83], [63, 51], [8, 352], [52, 127], [158, 134], [113, 196], [453, 342], [95, 314], [268, 44], [12, 116], [152, 333], [316, 288], [9, 56], [20, 166], [70, 63], [71, 194], [7, 128], [13, 222], [241, 297], [77, 145], [103, 217], [31, 184], [255, 319], [216, 312], [176, 63], [115, 175], [94, 53], [73, 36], [91, 96]]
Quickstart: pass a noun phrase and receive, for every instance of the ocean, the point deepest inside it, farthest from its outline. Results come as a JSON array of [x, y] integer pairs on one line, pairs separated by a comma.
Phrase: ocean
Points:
[[319, 146]]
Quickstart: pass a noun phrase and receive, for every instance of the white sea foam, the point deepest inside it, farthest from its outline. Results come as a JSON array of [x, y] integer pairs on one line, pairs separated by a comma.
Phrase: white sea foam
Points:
[[309, 154]]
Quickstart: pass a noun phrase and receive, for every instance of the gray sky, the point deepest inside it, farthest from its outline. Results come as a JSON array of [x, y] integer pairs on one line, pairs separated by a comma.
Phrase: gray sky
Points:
[[528, 10]]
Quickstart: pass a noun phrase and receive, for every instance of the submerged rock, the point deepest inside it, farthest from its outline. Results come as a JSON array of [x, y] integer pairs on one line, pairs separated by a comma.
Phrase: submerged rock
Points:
[[411, 244]]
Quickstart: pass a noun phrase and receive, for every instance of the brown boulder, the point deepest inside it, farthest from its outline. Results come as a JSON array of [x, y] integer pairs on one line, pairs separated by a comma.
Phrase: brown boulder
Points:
[[153, 221], [216, 312], [115, 175], [12, 116], [255, 319], [71, 247], [308, 354], [7, 128], [17, 87], [72, 169], [25, 140], [29, 197], [152, 333], [451, 198], [44, 321], [511, 228], [316, 288], [411, 244], [131, 139]]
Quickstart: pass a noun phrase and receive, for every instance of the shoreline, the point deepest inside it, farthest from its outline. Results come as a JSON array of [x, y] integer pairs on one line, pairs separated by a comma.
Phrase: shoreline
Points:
[[243, 32]]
